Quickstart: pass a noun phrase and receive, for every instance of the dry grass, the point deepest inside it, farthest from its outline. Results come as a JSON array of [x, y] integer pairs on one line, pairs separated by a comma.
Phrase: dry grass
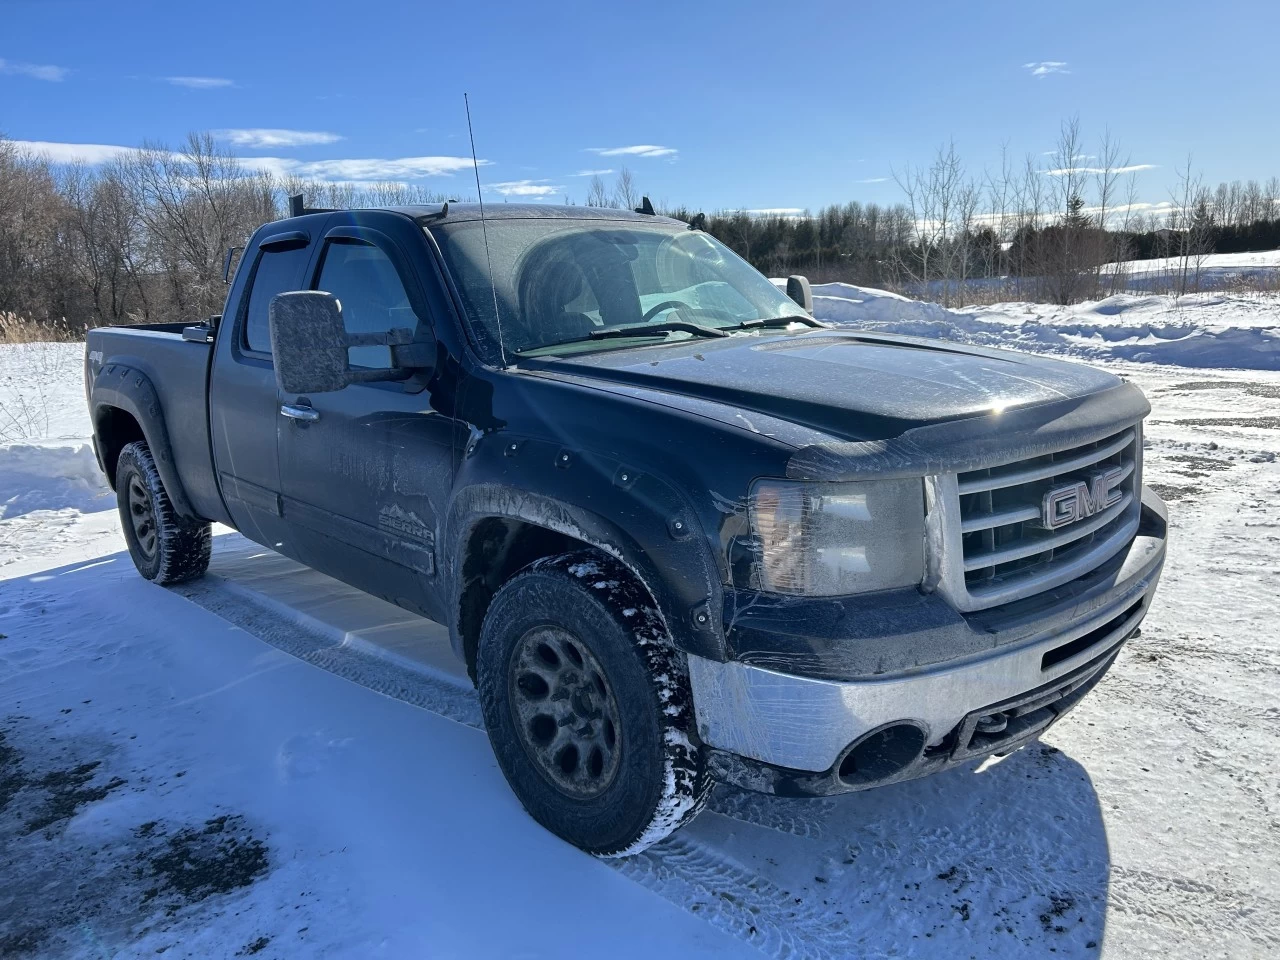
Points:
[[16, 329]]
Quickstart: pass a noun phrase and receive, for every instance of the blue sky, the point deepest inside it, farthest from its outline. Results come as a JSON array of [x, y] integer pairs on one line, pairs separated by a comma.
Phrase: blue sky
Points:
[[745, 104]]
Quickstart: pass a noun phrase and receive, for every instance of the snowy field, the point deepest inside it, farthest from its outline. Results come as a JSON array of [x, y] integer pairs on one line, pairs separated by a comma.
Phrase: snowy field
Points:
[[267, 763], [1216, 270]]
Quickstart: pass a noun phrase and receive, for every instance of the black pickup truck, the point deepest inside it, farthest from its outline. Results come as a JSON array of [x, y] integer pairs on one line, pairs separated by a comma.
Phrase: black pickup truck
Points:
[[679, 530]]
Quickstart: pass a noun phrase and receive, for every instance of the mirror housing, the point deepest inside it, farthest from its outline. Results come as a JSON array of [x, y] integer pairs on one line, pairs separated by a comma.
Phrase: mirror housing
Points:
[[798, 289], [309, 345]]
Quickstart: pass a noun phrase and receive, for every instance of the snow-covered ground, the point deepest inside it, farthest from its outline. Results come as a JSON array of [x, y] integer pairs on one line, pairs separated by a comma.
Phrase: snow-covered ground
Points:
[[1214, 271], [268, 763]]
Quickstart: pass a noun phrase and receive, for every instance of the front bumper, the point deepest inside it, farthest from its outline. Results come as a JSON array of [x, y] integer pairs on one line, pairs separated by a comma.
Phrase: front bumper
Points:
[[797, 726]]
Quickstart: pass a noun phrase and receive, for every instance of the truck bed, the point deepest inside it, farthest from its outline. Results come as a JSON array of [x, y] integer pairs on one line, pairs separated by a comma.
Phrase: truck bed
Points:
[[178, 369]]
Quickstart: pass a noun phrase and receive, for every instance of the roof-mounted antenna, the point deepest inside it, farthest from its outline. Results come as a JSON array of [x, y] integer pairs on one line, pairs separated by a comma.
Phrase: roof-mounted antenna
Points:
[[484, 230], [645, 207]]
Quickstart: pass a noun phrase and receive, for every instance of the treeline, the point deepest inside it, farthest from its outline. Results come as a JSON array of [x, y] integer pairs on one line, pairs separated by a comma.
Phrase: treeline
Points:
[[140, 238], [1054, 227]]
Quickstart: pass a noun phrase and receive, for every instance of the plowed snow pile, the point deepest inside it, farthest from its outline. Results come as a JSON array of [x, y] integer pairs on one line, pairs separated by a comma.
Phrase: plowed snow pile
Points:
[[1196, 330], [267, 763]]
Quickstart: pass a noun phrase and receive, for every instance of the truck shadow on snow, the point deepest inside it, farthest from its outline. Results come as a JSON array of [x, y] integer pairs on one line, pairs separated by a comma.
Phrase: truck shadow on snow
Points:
[[1005, 858], [1009, 858]]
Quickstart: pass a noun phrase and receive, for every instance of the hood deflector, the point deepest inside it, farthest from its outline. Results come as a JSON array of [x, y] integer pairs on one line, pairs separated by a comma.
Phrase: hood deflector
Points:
[[977, 442]]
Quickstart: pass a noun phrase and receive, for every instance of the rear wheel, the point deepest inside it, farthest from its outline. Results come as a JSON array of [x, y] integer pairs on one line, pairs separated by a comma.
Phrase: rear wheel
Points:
[[588, 707], [165, 547]]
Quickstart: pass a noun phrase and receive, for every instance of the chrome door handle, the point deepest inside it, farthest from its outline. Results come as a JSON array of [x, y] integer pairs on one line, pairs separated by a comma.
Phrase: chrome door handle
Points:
[[306, 414]]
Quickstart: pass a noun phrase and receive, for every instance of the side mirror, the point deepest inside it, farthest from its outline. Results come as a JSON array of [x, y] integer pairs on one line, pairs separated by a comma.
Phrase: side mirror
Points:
[[798, 289], [309, 345]]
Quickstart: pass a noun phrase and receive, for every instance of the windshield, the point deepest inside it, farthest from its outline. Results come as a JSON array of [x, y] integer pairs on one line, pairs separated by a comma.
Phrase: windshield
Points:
[[559, 281]]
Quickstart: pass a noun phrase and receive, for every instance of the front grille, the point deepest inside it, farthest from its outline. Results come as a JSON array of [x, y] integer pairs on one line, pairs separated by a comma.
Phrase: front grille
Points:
[[1008, 552]]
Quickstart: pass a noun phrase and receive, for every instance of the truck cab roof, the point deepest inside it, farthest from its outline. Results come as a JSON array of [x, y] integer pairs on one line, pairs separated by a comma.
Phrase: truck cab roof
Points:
[[457, 212]]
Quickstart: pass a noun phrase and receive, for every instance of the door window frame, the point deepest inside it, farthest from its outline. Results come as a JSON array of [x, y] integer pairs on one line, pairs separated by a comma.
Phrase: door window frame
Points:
[[284, 242], [409, 281]]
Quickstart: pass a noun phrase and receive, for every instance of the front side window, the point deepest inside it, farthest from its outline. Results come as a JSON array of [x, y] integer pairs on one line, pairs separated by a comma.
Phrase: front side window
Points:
[[370, 293], [277, 271], [556, 281]]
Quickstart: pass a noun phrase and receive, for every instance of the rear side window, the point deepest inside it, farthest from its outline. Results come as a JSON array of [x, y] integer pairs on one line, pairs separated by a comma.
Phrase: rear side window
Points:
[[277, 271], [368, 288]]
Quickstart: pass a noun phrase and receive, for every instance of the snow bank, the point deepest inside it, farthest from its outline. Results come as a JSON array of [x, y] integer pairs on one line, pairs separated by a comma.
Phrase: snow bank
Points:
[[1198, 330], [50, 477]]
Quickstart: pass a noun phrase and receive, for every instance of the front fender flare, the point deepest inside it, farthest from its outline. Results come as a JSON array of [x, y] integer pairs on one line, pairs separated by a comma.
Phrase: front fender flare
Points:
[[678, 571]]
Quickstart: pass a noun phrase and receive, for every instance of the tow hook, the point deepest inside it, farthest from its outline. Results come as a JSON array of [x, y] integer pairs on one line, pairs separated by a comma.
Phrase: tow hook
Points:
[[995, 723]]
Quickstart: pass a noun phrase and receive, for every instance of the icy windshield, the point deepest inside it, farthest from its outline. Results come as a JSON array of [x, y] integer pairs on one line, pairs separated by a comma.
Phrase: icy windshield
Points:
[[558, 281]]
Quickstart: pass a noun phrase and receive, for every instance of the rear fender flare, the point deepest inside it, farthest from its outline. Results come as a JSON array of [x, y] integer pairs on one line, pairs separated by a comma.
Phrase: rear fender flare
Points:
[[129, 389]]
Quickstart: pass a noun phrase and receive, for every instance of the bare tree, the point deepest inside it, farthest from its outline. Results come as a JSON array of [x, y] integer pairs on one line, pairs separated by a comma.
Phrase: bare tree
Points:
[[932, 197], [1072, 248], [597, 193], [625, 195], [1192, 227]]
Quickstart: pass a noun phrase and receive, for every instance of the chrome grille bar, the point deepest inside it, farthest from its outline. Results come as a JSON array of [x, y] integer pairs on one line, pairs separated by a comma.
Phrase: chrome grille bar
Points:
[[990, 542], [1043, 471], [1029, 546], [1002, 518]]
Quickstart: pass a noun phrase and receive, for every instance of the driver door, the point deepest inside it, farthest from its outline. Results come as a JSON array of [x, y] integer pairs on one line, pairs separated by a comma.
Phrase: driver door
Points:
[[365, 471]]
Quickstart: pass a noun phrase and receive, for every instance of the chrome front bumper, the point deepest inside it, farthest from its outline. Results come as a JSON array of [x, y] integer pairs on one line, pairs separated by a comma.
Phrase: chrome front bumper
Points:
[[806, 724]]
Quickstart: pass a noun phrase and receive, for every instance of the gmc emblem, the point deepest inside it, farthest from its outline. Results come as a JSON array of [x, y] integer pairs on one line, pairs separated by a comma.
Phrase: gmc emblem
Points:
[[1078, 501]]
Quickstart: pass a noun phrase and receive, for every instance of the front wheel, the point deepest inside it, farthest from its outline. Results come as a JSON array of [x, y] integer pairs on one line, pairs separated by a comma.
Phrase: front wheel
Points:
[[588, 707], [165, 546]]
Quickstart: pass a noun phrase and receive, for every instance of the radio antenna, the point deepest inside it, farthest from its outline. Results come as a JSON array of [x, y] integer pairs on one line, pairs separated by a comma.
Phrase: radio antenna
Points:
[[475, 164]]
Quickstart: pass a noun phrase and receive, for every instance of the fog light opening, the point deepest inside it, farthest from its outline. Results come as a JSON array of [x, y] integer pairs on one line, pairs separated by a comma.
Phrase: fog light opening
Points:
[[883, 753]]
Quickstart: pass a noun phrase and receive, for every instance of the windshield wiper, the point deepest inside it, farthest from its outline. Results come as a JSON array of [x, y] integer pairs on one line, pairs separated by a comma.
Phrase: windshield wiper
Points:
[[665, 326], [633, 330], [778, 322]]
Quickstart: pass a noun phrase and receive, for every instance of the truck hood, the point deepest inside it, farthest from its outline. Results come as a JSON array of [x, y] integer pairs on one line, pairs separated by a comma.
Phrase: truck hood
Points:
[[850, 385]]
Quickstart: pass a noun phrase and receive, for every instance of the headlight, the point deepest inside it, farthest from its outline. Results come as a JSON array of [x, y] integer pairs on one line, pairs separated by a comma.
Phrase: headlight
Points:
[[831, 539]]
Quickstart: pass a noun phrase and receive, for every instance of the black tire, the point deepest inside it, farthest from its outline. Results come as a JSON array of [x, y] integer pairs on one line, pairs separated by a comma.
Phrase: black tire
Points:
[[624, 793], [165, 547]]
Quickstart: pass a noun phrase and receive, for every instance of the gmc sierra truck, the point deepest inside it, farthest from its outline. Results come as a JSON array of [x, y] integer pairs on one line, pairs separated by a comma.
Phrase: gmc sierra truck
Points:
[[679, 530]]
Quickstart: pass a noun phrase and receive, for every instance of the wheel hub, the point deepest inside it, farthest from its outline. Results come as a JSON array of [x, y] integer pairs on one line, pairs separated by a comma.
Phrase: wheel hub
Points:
[[142, 516], [565, 712]]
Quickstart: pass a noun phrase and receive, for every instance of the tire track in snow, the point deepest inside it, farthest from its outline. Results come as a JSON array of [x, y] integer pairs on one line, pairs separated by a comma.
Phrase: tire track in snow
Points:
[[1196, 908], [739, 901], [323, 648], [773, 813], [680, 869]]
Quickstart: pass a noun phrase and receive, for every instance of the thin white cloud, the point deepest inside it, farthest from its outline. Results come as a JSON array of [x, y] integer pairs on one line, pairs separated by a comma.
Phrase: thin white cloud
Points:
[[37, 71], [200, 83], [1131, 168], [639, 150], [525, 188], [592, 173], [873, 180], [1114, 213], [370, 170], [1042, 68], [775, 211], [269, 137], [91, 153], [367, 170]]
